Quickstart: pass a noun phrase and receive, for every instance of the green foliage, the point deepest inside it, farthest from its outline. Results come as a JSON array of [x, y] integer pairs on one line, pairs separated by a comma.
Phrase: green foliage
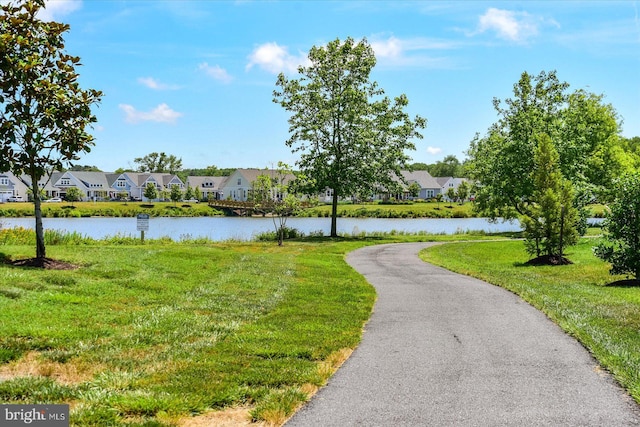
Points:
[[158, 163], [43, 111], [621, 245], [176, 193], [74, 194], [151, 191], [582, 128], [550, 222], [349, 136]]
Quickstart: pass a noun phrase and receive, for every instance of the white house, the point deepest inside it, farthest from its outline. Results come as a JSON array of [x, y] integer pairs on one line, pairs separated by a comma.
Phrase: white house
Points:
[[450, 182], [239, 184], [11, 186], [208, 186]]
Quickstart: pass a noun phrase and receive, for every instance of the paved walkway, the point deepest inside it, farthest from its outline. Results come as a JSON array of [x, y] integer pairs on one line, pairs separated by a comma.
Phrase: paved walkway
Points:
[[443, 349]]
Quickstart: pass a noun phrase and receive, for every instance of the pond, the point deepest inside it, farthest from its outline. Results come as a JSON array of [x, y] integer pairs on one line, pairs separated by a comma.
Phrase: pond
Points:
[[243, 229]]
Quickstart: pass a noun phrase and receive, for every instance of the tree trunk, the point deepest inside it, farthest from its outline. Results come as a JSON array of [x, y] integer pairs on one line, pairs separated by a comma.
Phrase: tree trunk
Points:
[[40, 249], [334, 214]]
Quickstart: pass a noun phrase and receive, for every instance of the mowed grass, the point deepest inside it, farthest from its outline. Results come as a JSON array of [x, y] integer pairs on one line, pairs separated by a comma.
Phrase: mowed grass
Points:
[[108, 209], [157, 333], [580, 297]]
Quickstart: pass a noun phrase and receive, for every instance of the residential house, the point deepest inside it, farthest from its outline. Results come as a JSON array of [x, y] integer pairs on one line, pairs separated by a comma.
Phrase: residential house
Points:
[[11, 186], [45, 184], [450, 182], [92, 185], [135, 183], [239, 184], [428, 185], [207, 186]]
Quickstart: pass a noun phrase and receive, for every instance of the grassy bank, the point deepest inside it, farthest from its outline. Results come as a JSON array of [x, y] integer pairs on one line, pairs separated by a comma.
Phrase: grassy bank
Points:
[[108, 209], [578, 297]]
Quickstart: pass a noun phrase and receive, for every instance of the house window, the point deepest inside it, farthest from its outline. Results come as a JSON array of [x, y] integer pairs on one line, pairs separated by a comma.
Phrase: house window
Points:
[[430, 194], [65, 181], [121, 183], [239, 181], [4, 181]]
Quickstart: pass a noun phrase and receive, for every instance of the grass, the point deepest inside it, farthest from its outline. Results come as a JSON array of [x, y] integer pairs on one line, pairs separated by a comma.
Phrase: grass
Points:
[[578, 297], [108, 209], [400, 210], [157, 332]]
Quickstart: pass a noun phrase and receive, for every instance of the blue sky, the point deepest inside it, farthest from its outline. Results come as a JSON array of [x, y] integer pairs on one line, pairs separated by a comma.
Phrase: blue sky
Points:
[[195, 78]]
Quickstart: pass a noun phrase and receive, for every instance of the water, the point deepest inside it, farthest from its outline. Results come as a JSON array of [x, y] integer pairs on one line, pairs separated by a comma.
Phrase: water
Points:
[[238, 228]]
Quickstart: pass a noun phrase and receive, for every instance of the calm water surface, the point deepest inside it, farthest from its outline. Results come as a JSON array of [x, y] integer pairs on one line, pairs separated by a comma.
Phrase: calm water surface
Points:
[[236, 228]]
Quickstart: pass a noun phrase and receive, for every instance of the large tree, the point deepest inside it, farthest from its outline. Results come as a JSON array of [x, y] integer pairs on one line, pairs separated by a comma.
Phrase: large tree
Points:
[[351, 138], [44, 113], [159, 163], [580, 125]]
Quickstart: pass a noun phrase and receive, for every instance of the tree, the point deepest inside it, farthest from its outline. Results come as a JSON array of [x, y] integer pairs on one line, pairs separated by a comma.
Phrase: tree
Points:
[[350, 137], [158, 163], [151, 191], [85, 168], [451, 195], [43, 111], [621, 245], [449, 166], [73, 195], [463, 191], [191, 193], [176, 193], [550, 223], [581, 128], [414, 189]]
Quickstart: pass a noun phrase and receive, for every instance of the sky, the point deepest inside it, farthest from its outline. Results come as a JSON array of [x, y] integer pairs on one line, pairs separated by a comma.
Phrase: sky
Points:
[[195, 79]]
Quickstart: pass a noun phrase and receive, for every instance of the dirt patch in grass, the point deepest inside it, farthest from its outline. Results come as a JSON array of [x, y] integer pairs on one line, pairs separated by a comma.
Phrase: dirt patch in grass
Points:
[[549, 260], [32, 365], [44, 263], [228, 418]]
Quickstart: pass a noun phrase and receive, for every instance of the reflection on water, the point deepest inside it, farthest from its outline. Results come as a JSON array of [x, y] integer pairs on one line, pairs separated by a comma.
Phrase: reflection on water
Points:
[[235, 228]]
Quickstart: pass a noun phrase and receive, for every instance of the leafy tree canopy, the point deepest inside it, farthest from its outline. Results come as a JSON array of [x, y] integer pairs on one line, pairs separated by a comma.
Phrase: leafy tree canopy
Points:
[[158, 163], [350, 137], [44, 113], [583, 129]]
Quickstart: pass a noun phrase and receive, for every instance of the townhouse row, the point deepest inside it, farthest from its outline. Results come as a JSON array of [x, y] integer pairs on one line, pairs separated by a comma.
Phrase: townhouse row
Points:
[[99, 186]]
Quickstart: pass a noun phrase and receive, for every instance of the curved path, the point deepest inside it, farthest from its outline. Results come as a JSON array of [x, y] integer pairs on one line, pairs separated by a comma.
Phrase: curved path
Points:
[[443, 349]]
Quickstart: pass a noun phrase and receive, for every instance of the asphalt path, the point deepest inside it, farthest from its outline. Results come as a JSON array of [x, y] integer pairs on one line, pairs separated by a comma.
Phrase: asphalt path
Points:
[[442, 349]]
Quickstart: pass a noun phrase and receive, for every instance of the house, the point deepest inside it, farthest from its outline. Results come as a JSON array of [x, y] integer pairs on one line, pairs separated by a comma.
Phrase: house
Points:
[[45, 184], [135, 183], [239, 185], [92, 185], [427, 184], [11, 186], [207, 186], [450, 182]]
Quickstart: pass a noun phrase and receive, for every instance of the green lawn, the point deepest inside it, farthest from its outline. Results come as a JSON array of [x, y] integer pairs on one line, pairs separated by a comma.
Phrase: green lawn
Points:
[[109, 209], [578, 297], [156, 332]]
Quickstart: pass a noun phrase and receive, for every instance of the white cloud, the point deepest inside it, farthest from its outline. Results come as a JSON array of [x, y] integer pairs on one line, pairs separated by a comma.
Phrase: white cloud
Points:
[[55, 9], [215, 72], [154, 84], [275, 59], [161, 114], [412, 52], [509, 25], [434, 150]]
